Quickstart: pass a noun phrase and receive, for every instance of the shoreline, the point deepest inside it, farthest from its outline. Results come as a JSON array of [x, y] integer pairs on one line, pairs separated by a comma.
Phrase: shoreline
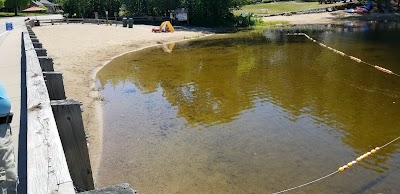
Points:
[[80, 78]]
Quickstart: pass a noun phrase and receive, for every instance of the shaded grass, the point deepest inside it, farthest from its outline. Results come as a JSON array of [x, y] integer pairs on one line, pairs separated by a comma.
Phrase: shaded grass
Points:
[[11, 14], [280, 7], [271, 23]]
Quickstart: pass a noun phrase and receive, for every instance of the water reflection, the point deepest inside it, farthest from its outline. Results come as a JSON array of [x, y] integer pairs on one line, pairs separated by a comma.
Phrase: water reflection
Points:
[[267, 90]]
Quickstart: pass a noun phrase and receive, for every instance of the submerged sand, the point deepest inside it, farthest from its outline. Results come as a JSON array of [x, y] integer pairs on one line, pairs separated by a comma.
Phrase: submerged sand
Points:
[[80, 50]]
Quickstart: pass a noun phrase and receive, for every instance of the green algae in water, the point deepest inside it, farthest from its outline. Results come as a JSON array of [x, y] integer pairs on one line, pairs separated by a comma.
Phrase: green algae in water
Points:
[[253, 113]]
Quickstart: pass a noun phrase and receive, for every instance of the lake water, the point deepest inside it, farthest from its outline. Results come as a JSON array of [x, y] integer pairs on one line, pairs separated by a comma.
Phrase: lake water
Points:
[[255, 112]]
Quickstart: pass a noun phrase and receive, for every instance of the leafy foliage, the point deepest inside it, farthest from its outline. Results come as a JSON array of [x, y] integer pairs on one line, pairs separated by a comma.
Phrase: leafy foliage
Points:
[[86, 8], [20, 3], [1, 4], [202, 12]]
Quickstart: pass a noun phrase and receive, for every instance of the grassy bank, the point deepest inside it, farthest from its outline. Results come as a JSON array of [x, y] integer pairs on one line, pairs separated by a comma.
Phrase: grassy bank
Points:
[[279, 7], [11, 14]]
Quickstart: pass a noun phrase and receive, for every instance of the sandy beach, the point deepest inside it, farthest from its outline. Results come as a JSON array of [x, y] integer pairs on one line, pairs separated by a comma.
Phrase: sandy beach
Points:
[[80, 50]]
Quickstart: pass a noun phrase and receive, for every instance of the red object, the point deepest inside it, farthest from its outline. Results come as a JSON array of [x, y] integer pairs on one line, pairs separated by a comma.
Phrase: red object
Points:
[[156, 30], [33, 9]]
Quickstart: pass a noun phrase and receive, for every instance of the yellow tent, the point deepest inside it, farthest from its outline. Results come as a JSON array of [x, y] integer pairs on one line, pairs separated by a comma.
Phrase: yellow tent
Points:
[[167, 27]]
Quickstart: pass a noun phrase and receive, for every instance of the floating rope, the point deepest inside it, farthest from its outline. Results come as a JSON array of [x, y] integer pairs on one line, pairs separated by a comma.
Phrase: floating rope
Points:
[[344, 167], [344, 54]]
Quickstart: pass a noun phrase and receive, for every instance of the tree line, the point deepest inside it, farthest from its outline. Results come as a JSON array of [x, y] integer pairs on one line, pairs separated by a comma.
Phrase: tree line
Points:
[[202, 12], [11, 4]]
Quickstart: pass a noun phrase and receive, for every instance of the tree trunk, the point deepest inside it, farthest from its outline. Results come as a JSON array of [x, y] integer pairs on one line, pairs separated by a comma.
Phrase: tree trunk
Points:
[[388, 5], [16, 8]]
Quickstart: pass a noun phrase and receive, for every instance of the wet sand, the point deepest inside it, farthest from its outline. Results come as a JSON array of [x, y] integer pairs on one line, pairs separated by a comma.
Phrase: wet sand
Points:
[[80, 50]]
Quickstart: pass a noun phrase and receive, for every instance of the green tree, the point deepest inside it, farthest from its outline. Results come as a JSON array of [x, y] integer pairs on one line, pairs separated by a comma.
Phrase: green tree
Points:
[[16, 4], [77, 7], [1, 4], [86, 8], [202, 12]]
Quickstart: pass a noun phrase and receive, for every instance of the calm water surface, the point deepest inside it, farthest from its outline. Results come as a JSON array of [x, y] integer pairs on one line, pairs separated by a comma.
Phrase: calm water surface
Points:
[[254, 112]]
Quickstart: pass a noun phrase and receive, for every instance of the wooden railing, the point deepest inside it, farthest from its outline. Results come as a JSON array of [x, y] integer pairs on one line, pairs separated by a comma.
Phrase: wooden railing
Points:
[[111, 20], [46, 165]]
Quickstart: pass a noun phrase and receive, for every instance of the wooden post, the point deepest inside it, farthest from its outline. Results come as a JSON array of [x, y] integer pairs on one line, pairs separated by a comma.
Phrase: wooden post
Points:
[[41, 52], [46, 63], [32, 36], [55, 85], [68, 115], [34, 40], [37, 44]]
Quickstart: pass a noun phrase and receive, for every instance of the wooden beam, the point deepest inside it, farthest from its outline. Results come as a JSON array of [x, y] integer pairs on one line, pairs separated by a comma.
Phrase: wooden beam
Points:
[[47, 170], [34, 40], [46, 63], [41, 52], [55, 85], [37, 44], [68, 115]]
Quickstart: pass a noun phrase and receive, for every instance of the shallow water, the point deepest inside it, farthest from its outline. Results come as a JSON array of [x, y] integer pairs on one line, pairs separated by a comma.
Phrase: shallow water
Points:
[[255, 112]]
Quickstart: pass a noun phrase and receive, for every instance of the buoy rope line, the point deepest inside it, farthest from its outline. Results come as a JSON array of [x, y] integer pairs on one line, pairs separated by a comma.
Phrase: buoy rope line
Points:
[[345, 55], [344, 167]]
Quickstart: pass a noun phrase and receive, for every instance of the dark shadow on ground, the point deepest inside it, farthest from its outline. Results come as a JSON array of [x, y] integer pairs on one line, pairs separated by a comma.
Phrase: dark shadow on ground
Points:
[[390, 17]]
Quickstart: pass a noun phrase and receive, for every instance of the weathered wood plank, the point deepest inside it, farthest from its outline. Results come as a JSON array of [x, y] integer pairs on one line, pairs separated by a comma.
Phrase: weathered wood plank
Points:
[[46, 164], [34, 40], [68, 115], [55, 85], [41, 52], [46, 63], [37, 44]]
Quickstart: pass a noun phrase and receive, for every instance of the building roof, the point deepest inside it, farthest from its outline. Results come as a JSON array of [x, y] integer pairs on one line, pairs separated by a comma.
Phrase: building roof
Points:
[[37, 3], [44, 2]]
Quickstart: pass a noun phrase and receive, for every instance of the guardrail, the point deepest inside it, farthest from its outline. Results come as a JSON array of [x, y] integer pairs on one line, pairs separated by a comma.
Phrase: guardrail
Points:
[[111, 20], [47, 170], [54, 156]]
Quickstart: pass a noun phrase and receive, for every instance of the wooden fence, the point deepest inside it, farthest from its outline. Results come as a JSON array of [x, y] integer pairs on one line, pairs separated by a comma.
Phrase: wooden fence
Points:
[[111, 20], [53, 153], [57, 158], [47, 170]]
